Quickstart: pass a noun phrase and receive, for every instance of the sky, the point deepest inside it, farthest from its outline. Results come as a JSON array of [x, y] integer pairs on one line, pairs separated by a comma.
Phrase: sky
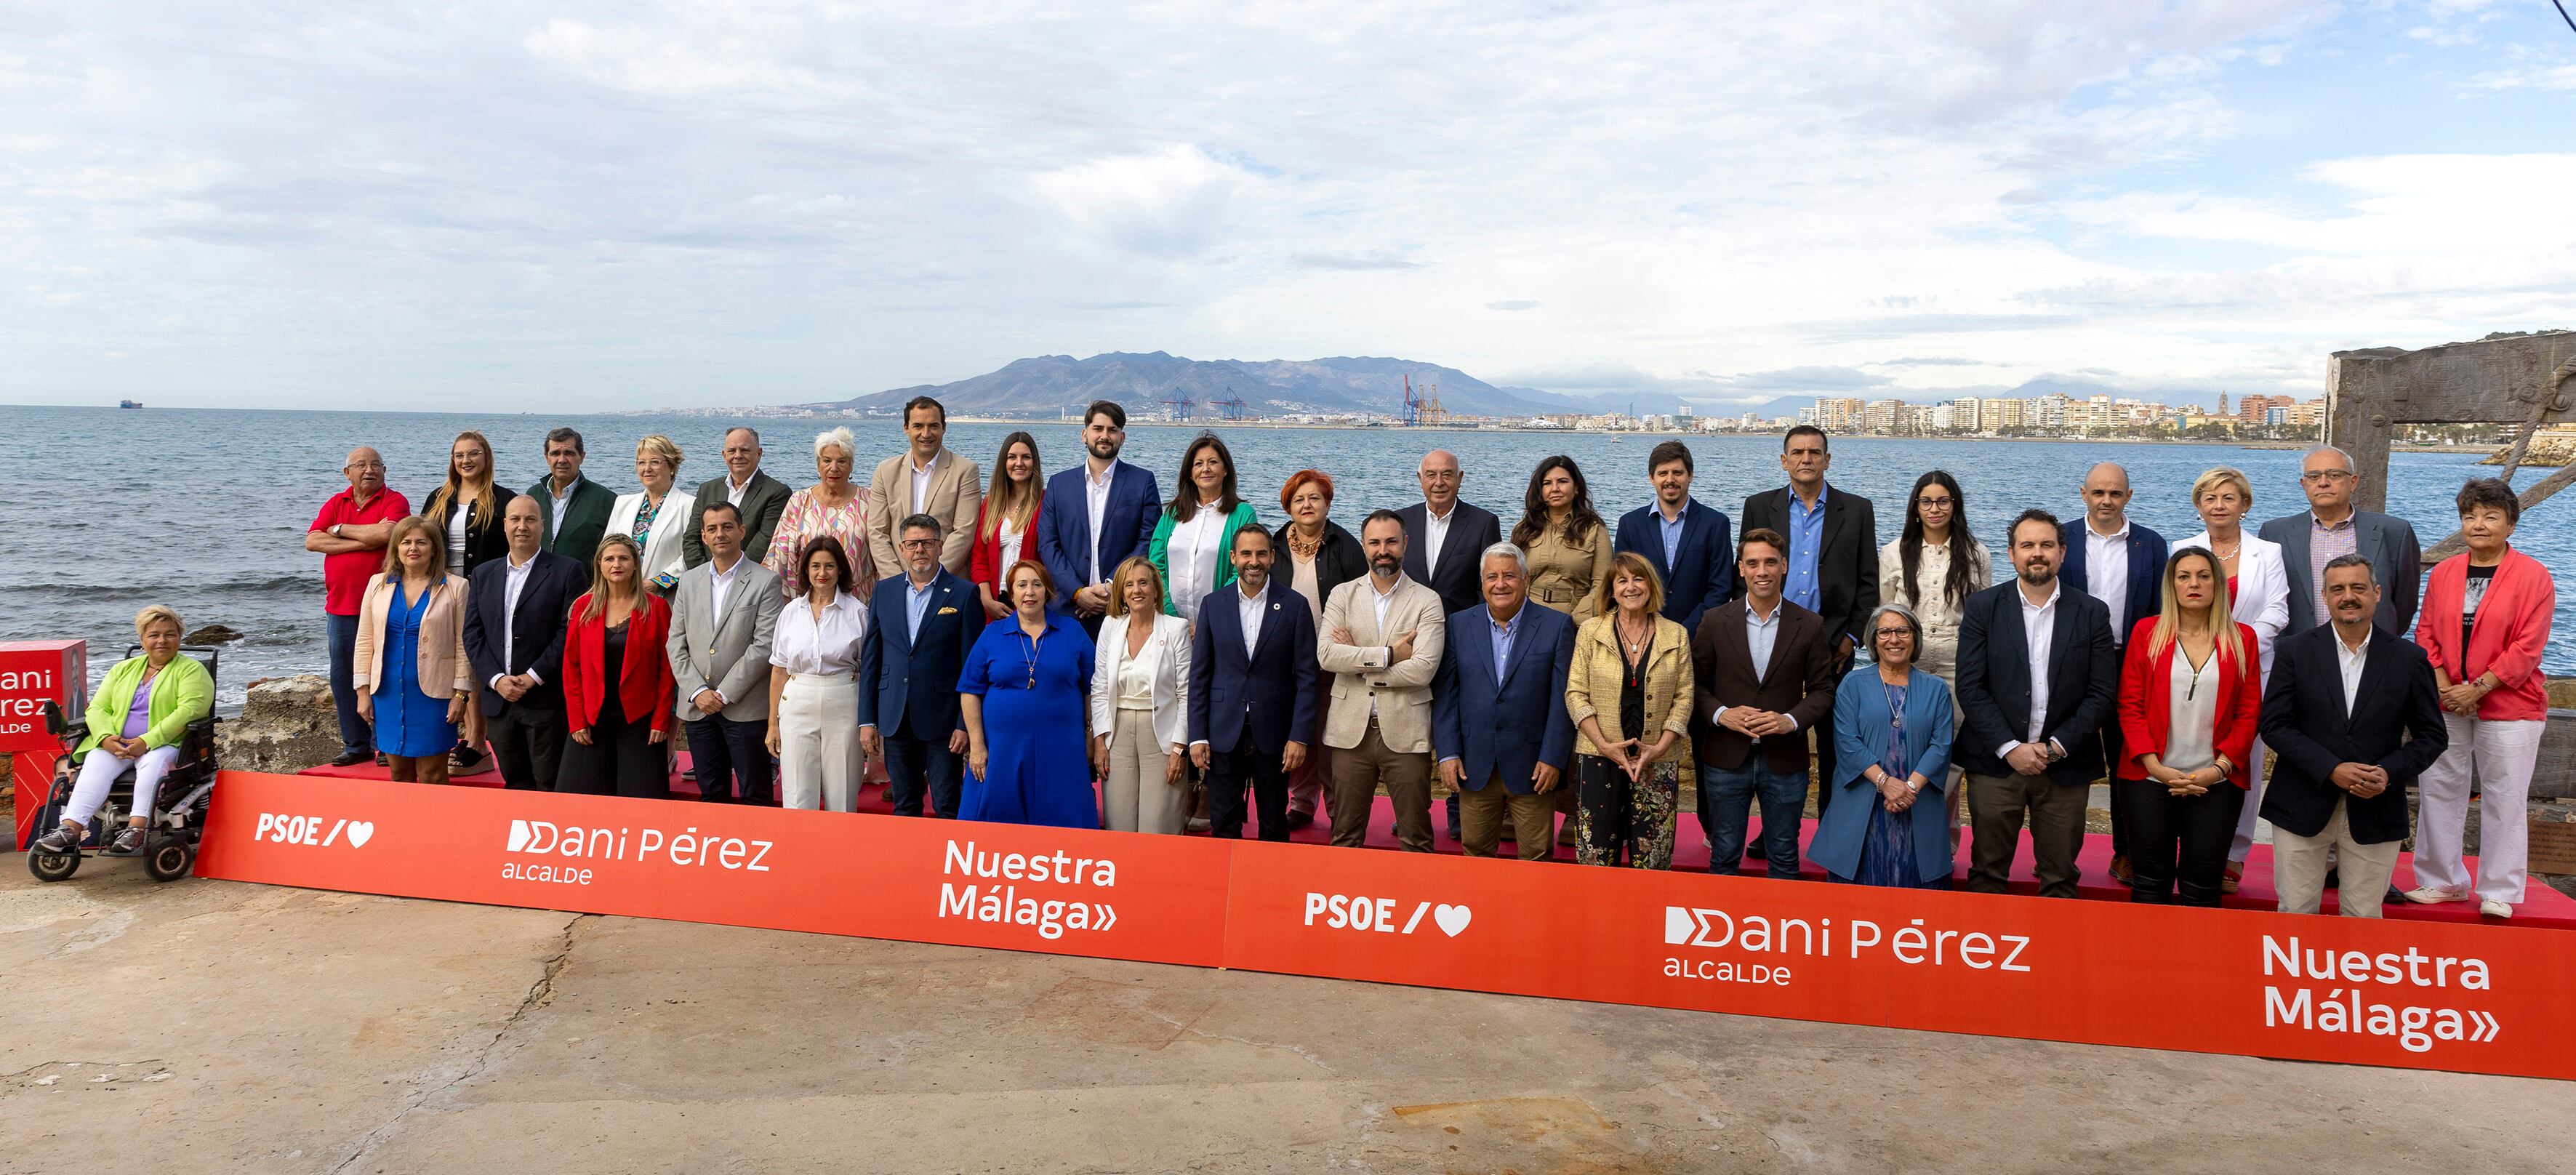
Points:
[[609, 206]]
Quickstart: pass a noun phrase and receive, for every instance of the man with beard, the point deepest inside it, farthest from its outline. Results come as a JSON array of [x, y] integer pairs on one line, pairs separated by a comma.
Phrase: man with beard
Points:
[[1383, 635], [2036, 680], [1095, 516], [1252, 690]]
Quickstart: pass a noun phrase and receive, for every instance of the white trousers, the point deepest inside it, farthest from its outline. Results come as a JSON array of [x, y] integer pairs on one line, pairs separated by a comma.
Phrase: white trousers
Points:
[[1136, 799], [99, 771], [818, 743], [2503, 754], [2299, 868], [2244, 842]]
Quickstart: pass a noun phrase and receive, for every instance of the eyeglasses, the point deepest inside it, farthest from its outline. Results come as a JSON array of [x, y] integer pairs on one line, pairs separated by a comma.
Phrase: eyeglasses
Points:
[[1930, 503], [1885, 633], [364, 465], [2319, 476]]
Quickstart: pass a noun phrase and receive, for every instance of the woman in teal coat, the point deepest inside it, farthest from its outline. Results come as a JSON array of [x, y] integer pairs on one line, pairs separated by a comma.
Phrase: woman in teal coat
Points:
[[138, 716], [1892, 729], [1196, 531]]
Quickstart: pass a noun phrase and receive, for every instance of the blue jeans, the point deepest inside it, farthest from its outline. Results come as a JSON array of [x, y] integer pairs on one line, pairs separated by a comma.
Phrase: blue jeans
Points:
[[911, 763], [356, 736], [1725, 802]]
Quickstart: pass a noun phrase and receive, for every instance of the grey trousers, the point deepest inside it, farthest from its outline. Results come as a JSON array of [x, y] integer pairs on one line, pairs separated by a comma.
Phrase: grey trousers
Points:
[[1997, 805]]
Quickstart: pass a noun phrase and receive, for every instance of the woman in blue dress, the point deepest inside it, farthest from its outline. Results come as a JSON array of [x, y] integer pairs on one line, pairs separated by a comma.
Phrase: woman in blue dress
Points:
[[1892, 729], [409, 666], [1025, 691]]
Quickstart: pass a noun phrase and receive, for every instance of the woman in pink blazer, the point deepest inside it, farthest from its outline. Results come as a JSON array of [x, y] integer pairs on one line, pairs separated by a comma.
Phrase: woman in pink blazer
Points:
[[2484, 623]]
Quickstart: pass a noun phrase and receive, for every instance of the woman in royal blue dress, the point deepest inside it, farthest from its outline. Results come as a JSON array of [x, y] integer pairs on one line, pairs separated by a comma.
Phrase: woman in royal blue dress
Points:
[[1892, 729], [1025, 692]]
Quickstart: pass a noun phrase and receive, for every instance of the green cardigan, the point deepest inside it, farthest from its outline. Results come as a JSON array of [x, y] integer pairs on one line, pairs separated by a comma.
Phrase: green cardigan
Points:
[[183, 693], [1160, 550], [585, 519]]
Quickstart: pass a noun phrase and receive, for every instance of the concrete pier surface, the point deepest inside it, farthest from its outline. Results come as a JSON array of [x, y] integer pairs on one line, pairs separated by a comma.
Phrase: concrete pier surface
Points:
[[212, 1026]]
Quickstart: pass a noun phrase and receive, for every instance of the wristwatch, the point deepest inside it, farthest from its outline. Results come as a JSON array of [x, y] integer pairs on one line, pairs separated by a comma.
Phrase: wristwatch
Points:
[[334, 532]]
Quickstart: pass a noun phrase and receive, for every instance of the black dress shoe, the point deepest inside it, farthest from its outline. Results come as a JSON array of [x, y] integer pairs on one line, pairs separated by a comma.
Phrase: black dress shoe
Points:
[[351, 758], [1298, 819], [464, 761]]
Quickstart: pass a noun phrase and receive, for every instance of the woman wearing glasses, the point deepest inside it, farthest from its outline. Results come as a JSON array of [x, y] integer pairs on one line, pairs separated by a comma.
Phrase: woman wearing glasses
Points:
[[1932, 568]]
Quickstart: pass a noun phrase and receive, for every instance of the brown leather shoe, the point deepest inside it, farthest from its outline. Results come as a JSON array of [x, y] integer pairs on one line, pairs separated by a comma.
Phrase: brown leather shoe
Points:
[[2120, 870]]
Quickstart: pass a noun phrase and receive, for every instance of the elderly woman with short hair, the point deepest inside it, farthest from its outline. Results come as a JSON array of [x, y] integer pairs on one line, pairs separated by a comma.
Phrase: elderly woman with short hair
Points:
[[834, 505], [1893, 722], [639, 515], [138, 715]]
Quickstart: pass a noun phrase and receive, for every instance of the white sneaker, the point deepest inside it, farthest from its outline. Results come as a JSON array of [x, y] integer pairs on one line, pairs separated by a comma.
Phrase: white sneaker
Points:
[[2429, 896], [2495, 909]]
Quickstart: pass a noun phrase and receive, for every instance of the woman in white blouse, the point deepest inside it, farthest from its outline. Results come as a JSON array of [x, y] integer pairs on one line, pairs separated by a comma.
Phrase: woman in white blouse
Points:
[[639, 516], [813, 684], [2259, 583], [1140, 687], [1932, 567], [1197, 528]]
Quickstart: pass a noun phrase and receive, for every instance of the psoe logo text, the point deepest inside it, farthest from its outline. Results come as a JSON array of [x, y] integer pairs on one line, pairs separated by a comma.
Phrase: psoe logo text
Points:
[[308, 830]]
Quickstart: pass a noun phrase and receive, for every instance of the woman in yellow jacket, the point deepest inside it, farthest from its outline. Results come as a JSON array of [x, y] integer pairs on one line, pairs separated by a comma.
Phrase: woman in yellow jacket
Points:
[[138, 716], [1629, 692]]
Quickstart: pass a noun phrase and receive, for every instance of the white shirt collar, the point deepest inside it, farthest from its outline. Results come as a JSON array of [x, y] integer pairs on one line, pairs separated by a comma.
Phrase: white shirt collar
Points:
[[2054, 587], [2121, 533], [918, 467], [1107, 472], [1436, 516]]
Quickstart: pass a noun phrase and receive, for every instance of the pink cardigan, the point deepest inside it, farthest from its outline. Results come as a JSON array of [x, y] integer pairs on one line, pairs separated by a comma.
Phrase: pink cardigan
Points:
[[2512, 629]]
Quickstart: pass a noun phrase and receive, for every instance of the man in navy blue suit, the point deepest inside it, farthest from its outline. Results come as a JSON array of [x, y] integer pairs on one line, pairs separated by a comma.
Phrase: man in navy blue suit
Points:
[[1498, 721], [2121, 564], [514, 634], [925, 621], [1252, 690], [1691, 545], [1096, 514]]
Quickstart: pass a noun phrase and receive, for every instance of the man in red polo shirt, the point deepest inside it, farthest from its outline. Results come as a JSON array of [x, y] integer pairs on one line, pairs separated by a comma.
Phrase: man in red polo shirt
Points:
[[350, 533]]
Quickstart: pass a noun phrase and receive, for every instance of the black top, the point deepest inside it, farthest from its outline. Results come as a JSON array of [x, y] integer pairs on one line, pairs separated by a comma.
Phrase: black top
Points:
[[612, 653], [2471, 595], [484, 542], [1632, 693]]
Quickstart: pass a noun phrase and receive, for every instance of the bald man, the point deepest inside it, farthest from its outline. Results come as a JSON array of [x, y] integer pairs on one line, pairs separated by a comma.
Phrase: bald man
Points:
[[2121, 564], [350, 535]]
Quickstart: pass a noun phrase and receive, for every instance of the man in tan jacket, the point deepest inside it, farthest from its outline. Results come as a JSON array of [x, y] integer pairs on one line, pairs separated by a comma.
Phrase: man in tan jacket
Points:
[[1382, 639], [925, 479]]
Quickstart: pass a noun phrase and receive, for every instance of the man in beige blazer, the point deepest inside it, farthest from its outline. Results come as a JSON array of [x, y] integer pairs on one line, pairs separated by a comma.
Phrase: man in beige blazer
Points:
[[925, 479], [1381, 642]]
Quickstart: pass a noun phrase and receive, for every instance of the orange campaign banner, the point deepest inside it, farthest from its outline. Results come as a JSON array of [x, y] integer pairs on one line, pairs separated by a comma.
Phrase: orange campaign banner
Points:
[[2462, 997]]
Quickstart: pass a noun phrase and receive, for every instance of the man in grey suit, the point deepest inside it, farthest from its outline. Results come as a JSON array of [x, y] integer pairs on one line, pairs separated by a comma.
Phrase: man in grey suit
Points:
[[722, 613], [2331, 528], [760, 497]]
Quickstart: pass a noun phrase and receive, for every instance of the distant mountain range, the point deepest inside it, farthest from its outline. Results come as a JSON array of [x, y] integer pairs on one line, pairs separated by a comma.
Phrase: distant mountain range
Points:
[[1051, 384]]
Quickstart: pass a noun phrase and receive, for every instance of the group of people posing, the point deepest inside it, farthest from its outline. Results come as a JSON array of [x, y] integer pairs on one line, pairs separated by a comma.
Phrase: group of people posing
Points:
[[1081, 650]]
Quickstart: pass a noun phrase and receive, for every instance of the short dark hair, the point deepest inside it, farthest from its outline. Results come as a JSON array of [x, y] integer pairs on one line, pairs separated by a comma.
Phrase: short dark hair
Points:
[[2012, 534], [2368, 572], [1667, 453], [1254, 528], [719, 504], [1387, 515], [1109, 408], [2490, 491], [921, 522], [1764, 535], [1805, 430], [920, 402], [559, 435]]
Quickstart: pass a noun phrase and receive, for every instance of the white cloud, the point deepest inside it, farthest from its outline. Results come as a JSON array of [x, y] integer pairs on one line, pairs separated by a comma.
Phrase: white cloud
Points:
[[1168, 204]]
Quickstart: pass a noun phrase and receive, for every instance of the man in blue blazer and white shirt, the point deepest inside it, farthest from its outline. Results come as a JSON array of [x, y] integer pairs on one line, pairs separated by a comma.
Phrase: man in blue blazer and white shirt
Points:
[[2036, 680], [1498, 720], [1691, 546], [1252, 690], [924, 621], [1095, 515], [2122, 564], [514, 635], [2331, 527]]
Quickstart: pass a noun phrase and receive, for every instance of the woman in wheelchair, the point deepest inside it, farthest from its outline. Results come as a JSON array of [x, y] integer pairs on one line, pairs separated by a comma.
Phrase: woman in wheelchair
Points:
[[138, 717]]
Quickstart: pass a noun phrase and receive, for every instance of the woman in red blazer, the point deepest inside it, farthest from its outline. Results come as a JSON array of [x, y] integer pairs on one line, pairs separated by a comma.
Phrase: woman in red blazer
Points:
[[2191, 697], [1006, 525], [2484, 623], [617, 745]]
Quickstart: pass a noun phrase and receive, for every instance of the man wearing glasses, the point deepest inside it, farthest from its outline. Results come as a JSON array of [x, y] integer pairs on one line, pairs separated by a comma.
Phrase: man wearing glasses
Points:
[[350, 534], [2330, 528]]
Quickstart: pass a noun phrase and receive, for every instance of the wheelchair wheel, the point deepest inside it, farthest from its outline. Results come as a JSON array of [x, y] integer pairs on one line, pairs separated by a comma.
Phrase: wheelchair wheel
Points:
[[169, 860], [53, 866]]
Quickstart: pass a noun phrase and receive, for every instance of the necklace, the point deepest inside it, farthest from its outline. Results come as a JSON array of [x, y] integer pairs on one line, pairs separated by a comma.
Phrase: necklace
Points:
[[1031, 655], [1303, 548], [1636, 645]]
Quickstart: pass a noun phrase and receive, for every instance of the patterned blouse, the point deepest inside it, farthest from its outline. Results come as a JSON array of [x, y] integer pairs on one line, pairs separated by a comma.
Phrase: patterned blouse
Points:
[[806, 518]]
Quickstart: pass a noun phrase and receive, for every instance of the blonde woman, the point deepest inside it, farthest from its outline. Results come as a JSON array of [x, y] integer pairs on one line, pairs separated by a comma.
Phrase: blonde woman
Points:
[[1140, 695], [2190, 699], [467, 508], [2258, 581], [638, 516], [834, 505], [1629, 692], [410, 669], [137, 717]]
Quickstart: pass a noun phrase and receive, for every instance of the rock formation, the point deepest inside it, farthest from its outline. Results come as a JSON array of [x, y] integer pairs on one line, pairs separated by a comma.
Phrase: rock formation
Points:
[[286, 725]]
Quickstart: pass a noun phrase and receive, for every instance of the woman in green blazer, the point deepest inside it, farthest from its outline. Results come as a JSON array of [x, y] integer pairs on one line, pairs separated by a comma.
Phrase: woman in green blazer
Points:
[[138, 716], [1192, 538]]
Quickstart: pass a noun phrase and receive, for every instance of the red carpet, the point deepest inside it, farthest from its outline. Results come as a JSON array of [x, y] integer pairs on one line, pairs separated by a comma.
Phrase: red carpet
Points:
[[2542, 906]]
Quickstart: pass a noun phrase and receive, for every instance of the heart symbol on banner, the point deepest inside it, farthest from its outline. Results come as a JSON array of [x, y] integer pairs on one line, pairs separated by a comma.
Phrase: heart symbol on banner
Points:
[[359, 831], [1452, 919]]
